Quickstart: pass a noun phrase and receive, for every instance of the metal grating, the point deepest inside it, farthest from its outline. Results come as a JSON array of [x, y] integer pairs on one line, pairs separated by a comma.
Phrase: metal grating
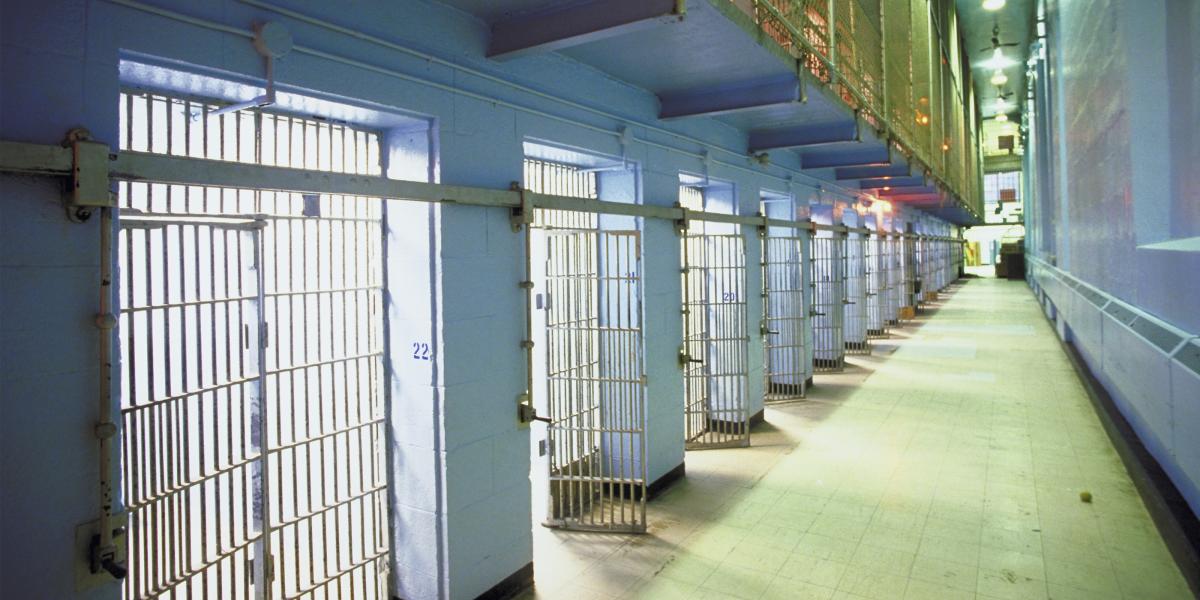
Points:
[[252, 366], [547, 177]]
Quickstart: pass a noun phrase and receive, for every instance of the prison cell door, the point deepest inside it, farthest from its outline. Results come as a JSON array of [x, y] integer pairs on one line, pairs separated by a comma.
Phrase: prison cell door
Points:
[[909, 276], [595, 381], [716, 343], [876, 287], [829, 349], [891, 257], [253, 389], [786, 317], [193, 408], [855, 296]]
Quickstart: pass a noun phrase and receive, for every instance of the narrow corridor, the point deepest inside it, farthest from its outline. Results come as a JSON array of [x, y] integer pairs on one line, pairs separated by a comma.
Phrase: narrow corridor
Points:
[[948, 464]]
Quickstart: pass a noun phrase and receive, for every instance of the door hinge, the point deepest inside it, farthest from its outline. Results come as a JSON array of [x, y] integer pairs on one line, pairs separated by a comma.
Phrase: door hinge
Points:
[[268, 569]]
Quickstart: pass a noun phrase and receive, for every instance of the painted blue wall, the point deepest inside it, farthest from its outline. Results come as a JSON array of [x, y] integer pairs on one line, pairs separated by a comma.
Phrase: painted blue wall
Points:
[[1114, 204], [462, 498]]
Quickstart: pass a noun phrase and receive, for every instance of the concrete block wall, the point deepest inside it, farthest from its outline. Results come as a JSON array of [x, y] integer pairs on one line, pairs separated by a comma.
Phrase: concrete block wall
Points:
[[460, 461], [49, 286], [1112, 203]]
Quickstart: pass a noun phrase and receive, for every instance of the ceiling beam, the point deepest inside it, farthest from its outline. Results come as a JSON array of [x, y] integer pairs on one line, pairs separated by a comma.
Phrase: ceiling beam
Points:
[[909, 191], [576, 24], [801, 136], [726, 99], [863, 156], [901, 181], [894, 170]]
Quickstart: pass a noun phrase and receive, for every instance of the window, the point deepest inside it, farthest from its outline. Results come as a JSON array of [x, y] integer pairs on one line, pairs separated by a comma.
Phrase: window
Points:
[[1002, 197]]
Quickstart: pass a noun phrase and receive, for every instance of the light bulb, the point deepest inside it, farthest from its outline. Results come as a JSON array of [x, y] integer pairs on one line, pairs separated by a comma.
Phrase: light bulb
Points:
[[993, 4], [1002, 117], [999, 78]]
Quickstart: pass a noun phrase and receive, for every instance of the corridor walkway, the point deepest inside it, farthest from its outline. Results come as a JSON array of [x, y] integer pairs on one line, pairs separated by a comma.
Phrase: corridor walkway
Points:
[[948, 464]]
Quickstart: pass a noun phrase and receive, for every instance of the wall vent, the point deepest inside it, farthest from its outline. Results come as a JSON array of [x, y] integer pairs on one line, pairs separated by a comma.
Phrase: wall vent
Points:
[[1156, 334], [1123, 315], [1189, 357]]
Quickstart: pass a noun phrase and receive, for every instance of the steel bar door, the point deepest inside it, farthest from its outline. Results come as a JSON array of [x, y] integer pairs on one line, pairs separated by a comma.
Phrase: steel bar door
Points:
[[855, 296], [715, 352], [829, 349], [193, 406], [877, 325], [253, 389], [894, 278], [786, 318], [908, 272], [596, 382]]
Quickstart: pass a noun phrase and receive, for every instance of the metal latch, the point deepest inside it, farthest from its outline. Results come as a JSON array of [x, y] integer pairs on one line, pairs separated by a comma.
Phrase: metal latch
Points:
[[527, 414], [522, 215], [684, 222], [105, 558], [89, 170], [685, 359]]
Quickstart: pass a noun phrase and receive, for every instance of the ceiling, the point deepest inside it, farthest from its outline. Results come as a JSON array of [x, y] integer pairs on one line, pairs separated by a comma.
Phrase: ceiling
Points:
[[1016, 22]]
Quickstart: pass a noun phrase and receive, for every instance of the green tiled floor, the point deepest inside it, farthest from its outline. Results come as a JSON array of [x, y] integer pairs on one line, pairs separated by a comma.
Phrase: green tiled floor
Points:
[[948, 464]]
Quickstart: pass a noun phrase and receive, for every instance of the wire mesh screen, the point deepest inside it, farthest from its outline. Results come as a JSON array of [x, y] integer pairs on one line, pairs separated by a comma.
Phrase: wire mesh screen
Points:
[[785, 317], [854, 265], [885, 59], [898, 68], [937, 110], [859, 54], [920, 56], [801, 26], [877, 325], [715, 341], [829, 348], [317, 418]]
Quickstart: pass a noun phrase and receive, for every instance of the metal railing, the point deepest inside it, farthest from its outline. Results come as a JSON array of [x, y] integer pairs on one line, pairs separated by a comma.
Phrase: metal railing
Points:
[[890, 61]]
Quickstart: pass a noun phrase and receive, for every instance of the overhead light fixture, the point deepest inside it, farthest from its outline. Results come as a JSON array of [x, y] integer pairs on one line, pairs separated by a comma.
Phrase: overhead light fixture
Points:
[[999, 78], [998, 61], [993, 4], [1001, 105], [1002, 117]]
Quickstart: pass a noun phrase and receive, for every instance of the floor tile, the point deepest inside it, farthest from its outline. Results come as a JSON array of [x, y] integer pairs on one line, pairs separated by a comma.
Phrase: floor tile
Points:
[[945, 465]]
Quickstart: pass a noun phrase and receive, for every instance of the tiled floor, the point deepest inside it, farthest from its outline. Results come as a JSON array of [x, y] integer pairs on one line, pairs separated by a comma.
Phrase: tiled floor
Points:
[[949, 464]]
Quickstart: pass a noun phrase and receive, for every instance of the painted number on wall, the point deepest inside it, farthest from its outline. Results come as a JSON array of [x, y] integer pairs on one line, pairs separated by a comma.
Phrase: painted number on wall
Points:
[[729, 297], [420, 351]]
